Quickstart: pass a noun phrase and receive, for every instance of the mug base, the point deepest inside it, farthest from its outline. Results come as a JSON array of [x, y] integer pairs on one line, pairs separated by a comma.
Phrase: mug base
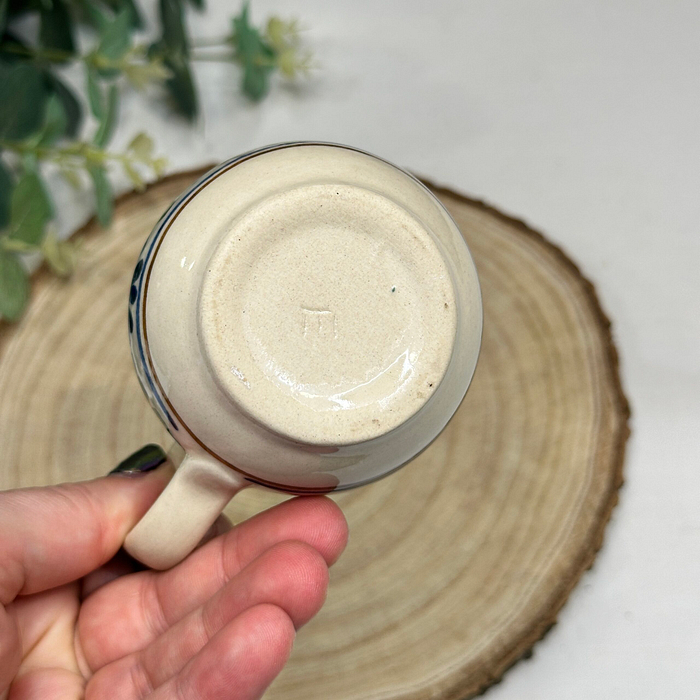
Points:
[[327, 313]]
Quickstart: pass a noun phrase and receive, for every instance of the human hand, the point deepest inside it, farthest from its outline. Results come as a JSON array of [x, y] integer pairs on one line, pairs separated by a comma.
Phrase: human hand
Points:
[[74, 624]]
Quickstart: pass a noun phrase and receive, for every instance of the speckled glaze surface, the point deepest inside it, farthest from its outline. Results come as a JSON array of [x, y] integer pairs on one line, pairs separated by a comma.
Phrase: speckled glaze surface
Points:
[[307, 315]]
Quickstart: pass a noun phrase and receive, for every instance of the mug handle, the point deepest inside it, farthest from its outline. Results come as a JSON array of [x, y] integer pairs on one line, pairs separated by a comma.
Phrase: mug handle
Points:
[[188, 506]]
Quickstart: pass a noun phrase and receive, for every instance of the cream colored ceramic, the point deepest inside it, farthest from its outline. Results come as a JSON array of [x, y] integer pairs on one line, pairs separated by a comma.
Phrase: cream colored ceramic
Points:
[[306, 317]]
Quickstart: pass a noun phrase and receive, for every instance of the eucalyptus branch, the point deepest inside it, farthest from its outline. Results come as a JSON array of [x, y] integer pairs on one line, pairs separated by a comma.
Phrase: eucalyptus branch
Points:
[[138, 68], [81, 154], [93, 58], [136, 58], [41, 117]]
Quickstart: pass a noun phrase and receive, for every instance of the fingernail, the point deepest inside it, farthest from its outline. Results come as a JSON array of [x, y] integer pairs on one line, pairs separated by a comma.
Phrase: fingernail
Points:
[[144, 460]]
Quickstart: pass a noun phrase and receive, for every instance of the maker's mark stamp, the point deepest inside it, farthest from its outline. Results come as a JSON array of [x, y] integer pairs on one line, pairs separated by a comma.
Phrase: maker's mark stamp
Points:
[[318, 324]]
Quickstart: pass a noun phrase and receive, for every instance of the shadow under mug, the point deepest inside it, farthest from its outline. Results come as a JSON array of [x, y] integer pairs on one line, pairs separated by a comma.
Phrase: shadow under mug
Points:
[[305, 317]]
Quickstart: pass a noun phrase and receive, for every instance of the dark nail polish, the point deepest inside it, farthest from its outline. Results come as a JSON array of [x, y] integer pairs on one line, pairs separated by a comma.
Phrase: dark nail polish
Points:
[[144, 460]]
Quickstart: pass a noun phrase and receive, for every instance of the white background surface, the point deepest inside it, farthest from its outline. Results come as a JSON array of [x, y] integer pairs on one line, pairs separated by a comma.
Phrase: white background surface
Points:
[[583, 118]]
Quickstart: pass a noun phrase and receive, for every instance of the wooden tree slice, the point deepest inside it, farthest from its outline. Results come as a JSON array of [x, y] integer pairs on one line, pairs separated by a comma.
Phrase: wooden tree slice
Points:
[[458, 563]]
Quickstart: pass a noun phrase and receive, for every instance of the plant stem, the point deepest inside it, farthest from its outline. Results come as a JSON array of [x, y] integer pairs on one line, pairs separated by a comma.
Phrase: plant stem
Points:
[[229, 58], [12, 245], [213, 58], [68, 154], [53, 55], [206, 43]]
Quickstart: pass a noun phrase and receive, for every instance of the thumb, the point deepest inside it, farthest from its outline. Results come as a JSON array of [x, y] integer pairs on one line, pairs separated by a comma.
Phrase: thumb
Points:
[[56, 534]]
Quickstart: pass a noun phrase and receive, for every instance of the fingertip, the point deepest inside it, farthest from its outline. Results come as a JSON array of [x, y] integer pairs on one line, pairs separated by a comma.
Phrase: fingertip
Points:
[[275, 631], [295, 577], [341, 529], [308, 564], [258, 644], [329, 524], [247, 654]]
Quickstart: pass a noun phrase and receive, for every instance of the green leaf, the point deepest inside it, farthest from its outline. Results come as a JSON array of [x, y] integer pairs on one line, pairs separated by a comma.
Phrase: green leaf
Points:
[[6, 186], [159, 165], [56, 30], [14, 286], [60, 255], [255, 55], [256, 81], [135, 18], [247, 39], [116, 39], [134, 175], [141, 146], [55, 122], [3, 16], [173, 49], [71, 106], [103, 194], [12, 48], [172, 21], [30, 209], [30, 162], [16, 8], [94, 15], [22, 98], [109, 121], [197, 4], [72, 178], [95, 97], [181, 86]]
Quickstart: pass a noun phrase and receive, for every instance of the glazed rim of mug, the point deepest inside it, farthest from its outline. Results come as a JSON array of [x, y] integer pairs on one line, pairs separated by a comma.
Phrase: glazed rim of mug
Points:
[[163, 405]]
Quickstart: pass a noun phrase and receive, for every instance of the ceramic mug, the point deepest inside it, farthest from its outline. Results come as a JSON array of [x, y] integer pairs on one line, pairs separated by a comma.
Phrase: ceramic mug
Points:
[[306, 317]]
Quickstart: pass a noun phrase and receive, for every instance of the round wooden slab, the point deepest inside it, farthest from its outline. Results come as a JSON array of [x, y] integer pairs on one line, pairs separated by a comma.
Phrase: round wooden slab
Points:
[[458, 563]]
